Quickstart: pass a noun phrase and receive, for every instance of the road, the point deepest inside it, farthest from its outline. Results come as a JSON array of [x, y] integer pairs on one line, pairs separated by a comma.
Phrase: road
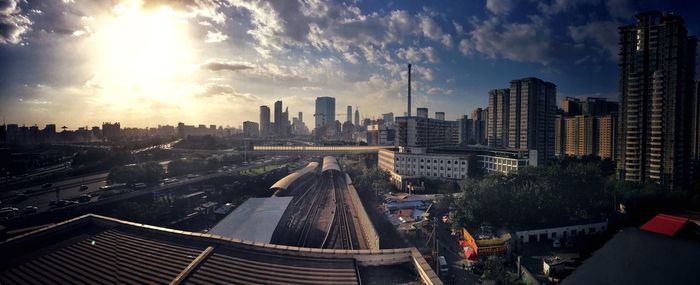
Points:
[[449, 248], [42, 201]]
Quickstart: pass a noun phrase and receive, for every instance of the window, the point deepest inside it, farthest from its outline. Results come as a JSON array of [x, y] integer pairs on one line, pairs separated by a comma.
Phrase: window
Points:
[[421, 160], [449, 162], [464, 162]]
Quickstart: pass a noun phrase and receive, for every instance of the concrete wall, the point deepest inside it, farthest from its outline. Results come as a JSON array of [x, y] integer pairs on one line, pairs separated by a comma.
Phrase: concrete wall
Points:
[[368, 230]]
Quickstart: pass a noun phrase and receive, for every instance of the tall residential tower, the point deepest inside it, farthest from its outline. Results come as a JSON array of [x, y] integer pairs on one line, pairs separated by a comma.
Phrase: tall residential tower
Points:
[[657, 69]]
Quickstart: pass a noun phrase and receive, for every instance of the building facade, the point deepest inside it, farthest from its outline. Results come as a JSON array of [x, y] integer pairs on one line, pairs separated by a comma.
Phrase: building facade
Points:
[[497, 118], [264, 121], [657, 70], [325, 111], [420, 132], [251, 129], [531, 116]]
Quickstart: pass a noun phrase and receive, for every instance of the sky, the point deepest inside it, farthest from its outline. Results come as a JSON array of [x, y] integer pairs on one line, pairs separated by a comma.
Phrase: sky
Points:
[[150, 62]]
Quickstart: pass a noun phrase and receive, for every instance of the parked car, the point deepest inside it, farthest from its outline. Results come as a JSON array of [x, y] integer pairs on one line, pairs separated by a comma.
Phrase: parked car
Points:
[[29, 210], [83, 187]]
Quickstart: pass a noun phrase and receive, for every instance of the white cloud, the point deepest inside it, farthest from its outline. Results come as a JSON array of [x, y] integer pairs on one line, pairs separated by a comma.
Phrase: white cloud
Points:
[[432, 30], [430, 54], [604, 34], [464, 47], [500, 7], [215, 37], [559, 6], [524, 42]]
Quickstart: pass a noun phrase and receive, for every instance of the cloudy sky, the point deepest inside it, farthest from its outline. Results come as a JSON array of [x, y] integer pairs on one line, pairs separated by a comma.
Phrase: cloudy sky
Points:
[[151, 62]]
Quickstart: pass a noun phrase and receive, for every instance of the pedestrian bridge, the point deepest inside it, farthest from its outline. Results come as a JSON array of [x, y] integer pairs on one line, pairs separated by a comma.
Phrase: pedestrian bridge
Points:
[[317, 150]]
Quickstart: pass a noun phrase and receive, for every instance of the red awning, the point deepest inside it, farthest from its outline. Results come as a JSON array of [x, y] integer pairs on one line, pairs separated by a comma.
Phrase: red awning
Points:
[[469, 253], [665, 224]]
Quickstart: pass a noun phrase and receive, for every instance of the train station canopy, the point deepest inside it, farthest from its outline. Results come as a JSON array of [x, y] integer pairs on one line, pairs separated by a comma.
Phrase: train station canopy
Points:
[[254, 220]]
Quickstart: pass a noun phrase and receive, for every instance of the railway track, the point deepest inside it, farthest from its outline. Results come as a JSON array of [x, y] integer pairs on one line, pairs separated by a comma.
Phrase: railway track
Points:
[[312, 212], [341, 236]]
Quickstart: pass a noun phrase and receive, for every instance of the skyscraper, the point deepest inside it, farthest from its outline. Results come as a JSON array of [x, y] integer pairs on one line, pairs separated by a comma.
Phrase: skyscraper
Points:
[[264, 121], [301, 117], [657, 69], [357, 117], [348, 115], [497, 131], [278, 126], [325, 111], [531, 117]]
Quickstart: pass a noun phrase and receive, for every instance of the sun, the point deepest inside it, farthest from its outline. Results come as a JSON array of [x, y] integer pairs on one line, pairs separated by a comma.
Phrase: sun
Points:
[[142, 53]]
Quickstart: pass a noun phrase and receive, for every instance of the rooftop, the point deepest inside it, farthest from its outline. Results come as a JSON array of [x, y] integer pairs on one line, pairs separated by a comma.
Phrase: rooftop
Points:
[[635, 256], [94, 249], [254, 220]]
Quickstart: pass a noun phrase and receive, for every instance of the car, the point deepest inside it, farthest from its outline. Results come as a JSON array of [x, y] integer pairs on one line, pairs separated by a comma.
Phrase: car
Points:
[[84, 198], [556, 243], [139, 185], [83, 187], [29, 210], [47, 185], [64, 203], [20, 197]]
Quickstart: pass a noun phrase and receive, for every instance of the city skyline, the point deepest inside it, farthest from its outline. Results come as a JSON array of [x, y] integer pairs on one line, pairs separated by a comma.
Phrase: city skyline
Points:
[[142, 63]]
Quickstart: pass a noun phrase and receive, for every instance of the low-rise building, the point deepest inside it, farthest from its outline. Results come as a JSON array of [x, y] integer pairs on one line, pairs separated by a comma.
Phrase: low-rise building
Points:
[[406, 165]]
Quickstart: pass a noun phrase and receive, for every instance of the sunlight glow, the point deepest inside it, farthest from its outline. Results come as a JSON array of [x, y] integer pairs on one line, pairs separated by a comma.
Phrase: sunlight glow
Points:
[[142, 53]]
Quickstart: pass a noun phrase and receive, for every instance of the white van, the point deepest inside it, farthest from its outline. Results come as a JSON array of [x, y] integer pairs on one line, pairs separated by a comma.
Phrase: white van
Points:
[[443, 265]]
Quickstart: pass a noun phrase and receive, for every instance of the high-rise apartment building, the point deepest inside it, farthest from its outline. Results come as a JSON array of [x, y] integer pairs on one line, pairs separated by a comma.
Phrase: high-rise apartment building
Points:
[[325, 111], [264, 121], [479, 126], [422, 132], [422, 112], [497, 118], [607, 135], [696, 122], [531, 117], [559, 135], [657, 70], [440, 116]]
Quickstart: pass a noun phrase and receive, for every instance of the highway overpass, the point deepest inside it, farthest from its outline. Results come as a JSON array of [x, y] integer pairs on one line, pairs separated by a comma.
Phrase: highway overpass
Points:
[[317, 150]]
